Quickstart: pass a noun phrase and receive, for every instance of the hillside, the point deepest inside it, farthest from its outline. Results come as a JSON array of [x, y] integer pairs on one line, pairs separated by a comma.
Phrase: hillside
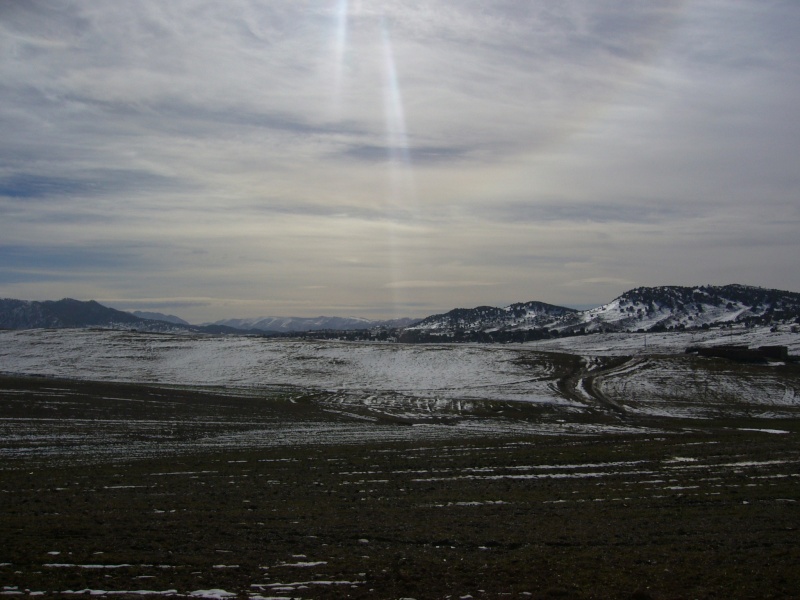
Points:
[[24, 314], [664, 308], [524, 318], [669, 308], [68, 313]]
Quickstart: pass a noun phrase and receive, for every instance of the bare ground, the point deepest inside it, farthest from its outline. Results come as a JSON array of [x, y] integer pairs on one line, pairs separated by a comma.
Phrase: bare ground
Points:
[[123, 488]]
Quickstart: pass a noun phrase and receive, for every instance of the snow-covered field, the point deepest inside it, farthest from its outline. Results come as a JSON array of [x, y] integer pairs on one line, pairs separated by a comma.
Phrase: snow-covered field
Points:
[[616, 344], [673, 386], [442, 372], [261, 468], [405, 381]]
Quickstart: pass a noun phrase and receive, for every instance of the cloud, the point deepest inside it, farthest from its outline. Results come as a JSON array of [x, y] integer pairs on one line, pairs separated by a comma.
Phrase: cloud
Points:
[[159, 304], [545, 210], [417, 156], [258, 153], [601, 281], [93, 182], [437, 284]]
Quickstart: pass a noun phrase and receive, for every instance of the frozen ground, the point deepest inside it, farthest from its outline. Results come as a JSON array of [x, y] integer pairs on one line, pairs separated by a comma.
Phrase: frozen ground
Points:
[[695, 515], [621, 375], [438, 372], [615, 344], [215, 467]]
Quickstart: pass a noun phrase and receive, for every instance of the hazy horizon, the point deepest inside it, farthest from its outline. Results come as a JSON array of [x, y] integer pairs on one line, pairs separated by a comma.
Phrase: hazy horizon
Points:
[[394, 159]]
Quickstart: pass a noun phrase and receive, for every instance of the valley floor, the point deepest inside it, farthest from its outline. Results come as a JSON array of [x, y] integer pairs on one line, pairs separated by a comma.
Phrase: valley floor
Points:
[[590, 382]]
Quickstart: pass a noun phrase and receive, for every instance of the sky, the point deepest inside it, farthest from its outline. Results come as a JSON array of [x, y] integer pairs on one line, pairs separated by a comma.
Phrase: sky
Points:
[[217, 159]]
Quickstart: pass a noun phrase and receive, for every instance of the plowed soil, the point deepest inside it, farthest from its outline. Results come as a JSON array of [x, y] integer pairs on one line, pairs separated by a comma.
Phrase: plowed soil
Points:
[[124, 489]]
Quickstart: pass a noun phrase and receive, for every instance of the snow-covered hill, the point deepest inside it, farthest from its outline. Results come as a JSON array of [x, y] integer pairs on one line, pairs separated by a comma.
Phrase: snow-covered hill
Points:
[[523, 314], [677, 308], [664, 308]]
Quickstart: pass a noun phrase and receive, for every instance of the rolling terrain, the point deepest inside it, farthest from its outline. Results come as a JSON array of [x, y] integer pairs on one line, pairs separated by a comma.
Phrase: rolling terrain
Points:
[[610, 465], [599, 379]]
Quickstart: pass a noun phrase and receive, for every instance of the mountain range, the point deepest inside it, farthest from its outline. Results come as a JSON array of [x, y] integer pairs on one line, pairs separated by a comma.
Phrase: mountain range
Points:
[[69, 313], [297, 324], [664, 308]]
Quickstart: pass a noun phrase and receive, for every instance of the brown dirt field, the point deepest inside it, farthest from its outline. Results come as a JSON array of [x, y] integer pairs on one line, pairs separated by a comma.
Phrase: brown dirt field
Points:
[[702, 510]]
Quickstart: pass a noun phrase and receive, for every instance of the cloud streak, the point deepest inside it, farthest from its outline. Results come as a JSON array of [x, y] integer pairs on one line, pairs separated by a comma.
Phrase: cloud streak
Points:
[[305, 159]]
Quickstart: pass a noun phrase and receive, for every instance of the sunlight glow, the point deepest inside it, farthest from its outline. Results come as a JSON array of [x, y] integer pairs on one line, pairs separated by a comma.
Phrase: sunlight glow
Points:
[[402, 192], [340, 50], [403, 189], [396, 133]]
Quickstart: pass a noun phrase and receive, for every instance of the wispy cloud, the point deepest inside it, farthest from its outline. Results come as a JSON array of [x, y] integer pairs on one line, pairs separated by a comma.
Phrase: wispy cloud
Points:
[[302, 158], [437, 284]]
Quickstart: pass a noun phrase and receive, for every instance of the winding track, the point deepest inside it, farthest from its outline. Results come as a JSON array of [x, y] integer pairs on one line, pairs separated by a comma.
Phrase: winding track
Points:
[[575, 376]]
